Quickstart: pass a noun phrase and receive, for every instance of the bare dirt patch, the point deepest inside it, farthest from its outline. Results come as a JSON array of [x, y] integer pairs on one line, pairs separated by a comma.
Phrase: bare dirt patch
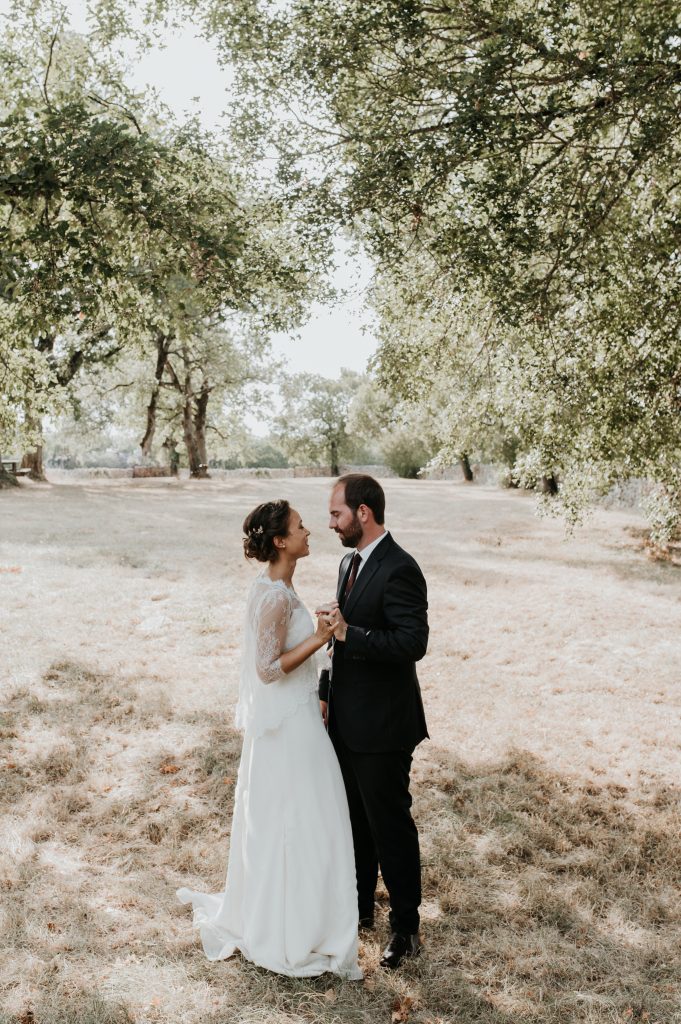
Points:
[[547, 797]]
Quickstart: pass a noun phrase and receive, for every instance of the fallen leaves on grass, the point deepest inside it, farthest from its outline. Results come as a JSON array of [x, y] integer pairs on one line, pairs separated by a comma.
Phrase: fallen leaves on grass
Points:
[[401, 1009], [169, 768]]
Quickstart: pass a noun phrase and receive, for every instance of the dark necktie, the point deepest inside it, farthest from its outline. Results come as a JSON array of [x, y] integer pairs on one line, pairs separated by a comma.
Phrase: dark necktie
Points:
[[356, 562]]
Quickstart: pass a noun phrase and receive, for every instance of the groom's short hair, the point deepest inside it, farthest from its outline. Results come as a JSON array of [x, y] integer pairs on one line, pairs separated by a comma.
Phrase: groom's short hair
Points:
[[361, 489]]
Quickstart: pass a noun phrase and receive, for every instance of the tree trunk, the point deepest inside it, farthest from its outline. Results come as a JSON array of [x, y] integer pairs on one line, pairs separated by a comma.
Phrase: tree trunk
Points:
[[33, 460], [335, 468], [509, 451], [145, 443], [466, 467], [162, 349], [7, 479], [548, 484], [200, 418], [170, 445], [194, 424]]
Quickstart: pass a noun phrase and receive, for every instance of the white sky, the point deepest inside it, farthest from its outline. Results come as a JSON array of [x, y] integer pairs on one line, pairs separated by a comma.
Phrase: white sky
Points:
[[186, 73]]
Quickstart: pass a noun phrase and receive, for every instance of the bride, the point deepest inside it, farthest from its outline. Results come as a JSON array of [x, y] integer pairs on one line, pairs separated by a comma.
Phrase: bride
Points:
[[290, 899]]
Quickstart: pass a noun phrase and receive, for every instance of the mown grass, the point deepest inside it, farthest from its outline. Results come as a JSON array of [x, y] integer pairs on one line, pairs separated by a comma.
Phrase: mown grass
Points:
[[545, 898]]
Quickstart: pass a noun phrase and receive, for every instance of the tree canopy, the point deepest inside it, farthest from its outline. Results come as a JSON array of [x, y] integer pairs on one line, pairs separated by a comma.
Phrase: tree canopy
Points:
[[513, 170], [313, 421], [121, 227]]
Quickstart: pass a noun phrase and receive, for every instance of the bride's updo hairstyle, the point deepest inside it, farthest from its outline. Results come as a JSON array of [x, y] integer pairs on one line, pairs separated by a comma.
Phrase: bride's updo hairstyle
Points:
[[262, 525]]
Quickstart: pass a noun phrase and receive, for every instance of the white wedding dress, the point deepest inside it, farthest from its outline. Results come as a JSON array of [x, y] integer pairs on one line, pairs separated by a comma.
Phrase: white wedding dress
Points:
[[290, 899]]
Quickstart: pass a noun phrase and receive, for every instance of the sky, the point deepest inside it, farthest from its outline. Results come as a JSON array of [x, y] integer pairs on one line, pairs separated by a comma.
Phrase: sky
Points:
[[333, 337], [185, 71]]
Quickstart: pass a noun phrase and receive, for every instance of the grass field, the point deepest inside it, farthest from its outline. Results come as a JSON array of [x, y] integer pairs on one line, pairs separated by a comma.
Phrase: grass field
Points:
[[547, 797]]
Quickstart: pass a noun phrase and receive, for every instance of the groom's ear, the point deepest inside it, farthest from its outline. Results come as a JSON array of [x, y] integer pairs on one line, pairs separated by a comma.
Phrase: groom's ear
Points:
[[364, 513]]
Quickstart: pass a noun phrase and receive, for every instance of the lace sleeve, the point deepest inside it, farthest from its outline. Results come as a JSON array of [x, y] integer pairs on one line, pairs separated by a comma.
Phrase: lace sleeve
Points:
[[271, 623]]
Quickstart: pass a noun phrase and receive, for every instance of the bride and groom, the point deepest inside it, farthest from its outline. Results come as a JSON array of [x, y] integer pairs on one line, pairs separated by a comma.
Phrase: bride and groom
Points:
[[314, 820]]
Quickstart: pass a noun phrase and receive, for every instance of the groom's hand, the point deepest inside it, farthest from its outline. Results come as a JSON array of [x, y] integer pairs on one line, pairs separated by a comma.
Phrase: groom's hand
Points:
[[338, 623], [324, 708]]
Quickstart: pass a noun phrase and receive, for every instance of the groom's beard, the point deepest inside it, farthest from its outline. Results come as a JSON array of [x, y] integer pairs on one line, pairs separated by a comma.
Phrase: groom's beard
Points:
[[352, 534]]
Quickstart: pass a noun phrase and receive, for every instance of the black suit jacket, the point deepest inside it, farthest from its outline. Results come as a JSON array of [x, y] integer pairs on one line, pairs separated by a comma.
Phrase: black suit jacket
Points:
[[373, 692]]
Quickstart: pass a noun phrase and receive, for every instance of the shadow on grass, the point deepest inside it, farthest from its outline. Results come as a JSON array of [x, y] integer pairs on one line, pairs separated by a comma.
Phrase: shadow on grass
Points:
[[556, 899], [545, 899], [79, 1007]]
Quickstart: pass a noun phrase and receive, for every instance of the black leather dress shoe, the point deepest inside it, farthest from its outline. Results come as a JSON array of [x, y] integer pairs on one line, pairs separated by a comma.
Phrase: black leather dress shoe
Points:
[[398, 948], [366, 921]]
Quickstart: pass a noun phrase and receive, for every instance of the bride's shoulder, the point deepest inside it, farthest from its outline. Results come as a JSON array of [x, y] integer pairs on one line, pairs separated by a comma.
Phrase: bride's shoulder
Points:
[[263, 579], [265, 591], [263, 588]]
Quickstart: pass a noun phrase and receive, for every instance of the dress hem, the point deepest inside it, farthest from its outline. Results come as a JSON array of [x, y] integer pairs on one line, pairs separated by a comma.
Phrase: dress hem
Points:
[[232, 944]]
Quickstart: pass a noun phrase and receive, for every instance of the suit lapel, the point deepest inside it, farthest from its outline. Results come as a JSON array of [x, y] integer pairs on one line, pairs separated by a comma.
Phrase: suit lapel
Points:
[[366, 575], [359, 585], [343, 573]]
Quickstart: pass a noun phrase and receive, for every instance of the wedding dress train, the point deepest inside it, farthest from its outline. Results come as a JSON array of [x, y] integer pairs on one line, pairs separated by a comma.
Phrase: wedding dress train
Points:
[[290, 899]]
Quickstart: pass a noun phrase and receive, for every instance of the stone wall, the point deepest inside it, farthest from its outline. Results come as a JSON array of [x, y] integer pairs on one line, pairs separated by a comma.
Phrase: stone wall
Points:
[[627, 495], [150, 471]]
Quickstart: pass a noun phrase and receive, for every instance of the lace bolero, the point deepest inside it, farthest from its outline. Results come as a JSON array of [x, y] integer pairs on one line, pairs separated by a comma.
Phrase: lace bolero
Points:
[[276, 621]]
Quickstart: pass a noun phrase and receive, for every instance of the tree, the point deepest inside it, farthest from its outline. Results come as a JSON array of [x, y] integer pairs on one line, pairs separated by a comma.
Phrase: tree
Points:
[[195, 396], [314, 418], [403, 434], [210, 366], [523, 159], [122, 227]]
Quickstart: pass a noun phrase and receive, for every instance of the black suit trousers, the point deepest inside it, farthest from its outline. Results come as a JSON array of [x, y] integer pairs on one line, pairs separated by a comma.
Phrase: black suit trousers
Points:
[[383, 831]]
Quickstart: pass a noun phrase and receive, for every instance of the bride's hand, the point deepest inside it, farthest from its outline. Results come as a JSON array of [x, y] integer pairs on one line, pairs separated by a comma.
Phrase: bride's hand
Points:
[[325, 628]]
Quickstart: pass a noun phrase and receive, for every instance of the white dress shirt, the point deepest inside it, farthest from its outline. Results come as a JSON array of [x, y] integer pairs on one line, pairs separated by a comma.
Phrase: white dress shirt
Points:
[[365, 552]]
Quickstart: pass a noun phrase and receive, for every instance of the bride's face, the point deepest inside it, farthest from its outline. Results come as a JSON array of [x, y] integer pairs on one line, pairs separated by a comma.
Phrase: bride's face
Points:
[[297, 545]]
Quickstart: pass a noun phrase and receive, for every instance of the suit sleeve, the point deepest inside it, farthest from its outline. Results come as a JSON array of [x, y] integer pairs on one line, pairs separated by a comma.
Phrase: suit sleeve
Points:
[[405, 611]]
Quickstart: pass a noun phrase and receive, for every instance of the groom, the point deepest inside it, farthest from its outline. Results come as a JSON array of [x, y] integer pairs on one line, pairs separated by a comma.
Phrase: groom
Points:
[[371, 702]]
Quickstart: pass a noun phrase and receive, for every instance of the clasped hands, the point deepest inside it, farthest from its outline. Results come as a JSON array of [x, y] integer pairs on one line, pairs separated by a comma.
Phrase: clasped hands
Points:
[[330, 618]]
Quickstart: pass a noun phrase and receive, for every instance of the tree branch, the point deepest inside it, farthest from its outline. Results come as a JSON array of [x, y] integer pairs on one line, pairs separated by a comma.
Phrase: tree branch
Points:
[[118, 106], [53, 43]]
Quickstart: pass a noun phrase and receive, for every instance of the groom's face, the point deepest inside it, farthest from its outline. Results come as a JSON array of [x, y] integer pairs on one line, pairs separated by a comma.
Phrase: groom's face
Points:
[[344, 520]]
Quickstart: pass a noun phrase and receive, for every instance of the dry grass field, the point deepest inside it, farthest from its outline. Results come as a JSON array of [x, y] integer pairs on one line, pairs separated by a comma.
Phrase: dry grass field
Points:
[[547, 797]]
